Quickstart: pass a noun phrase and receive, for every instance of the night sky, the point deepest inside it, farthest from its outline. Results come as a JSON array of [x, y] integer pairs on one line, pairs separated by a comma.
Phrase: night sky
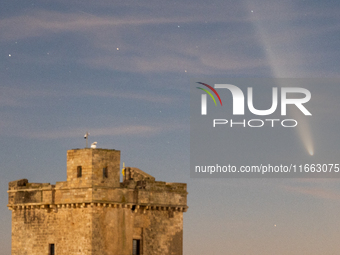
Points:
[[121, 70]]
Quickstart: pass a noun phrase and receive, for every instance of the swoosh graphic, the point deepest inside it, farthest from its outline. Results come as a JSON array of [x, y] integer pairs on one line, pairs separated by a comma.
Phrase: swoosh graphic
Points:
[[208, 93], [212, 90]]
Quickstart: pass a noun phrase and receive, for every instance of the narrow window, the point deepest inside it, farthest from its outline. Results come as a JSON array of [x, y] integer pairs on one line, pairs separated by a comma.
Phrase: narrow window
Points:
[[79, 171], [105, 172], [136, 247], [51, 249]]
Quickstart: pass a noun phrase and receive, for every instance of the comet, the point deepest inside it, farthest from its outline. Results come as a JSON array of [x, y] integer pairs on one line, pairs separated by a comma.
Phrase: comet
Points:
[[282, 61]]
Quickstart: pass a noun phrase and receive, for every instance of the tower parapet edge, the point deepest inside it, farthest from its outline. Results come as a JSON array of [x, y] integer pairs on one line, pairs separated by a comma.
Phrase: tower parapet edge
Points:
[[93, 177]]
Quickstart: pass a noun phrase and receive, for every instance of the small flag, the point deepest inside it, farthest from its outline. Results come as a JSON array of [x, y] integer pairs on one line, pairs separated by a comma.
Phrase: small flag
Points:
[[123, 169]]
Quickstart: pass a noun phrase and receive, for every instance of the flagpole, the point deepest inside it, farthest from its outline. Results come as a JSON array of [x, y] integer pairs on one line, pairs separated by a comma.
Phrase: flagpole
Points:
[[86, 137]]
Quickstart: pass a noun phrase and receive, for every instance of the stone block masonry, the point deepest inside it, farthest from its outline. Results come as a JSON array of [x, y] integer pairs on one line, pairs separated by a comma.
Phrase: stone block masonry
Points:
[[93, 213]]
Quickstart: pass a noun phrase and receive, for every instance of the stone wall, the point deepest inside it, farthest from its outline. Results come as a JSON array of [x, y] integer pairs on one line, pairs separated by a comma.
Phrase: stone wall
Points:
[[92, 162], [97, 229], [70, 229], [164, 235]]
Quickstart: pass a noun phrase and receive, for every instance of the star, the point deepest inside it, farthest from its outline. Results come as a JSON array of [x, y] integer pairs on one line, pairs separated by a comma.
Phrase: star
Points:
[[117, 48], [9, 55]]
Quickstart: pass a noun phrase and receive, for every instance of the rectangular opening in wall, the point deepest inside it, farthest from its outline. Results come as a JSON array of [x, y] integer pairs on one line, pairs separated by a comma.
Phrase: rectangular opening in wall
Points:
[[136, 247], [105, 172], [79, 171], [51, 249]]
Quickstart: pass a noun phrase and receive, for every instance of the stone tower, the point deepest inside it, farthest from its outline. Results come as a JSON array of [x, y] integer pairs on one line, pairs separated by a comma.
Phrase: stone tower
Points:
[[93, 213]]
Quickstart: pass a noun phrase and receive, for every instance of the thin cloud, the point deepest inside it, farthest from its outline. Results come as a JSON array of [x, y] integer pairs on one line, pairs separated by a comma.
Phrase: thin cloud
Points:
[[199, 64], [127, 130], [38, 23], [316, 192], [152, 98], [170, 52], [15, 97], [145, 47], [41, 22], [6, 124]]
